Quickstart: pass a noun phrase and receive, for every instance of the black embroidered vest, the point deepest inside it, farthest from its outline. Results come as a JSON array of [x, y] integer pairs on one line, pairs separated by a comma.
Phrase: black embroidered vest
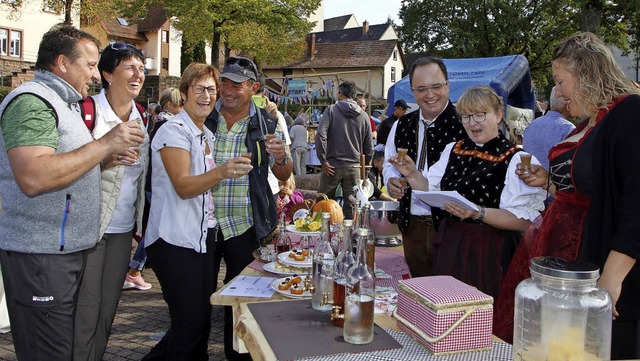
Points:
[[447, 128], [478, 172]]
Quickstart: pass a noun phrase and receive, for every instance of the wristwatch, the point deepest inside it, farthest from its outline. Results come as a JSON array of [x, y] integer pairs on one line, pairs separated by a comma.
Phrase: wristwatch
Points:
[[480, 218]]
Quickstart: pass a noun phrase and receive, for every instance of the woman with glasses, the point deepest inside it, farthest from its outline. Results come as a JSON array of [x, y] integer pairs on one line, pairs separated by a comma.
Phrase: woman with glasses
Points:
[[171, 104], [476, 246], [121, 68], [595, 177], [180, 237]]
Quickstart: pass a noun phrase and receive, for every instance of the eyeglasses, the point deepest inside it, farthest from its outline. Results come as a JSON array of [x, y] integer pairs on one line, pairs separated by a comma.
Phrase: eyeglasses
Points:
[[243, 62], [477, 117], [435, 88], [199, 89]]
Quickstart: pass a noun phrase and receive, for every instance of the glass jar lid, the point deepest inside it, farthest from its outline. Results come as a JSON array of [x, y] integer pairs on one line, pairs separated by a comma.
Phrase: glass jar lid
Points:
[[561, 268]]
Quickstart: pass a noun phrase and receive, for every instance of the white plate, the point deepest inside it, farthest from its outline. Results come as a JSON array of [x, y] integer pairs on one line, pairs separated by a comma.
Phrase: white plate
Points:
[[287, 293], [292, 228], [271, 268], [288, 261]]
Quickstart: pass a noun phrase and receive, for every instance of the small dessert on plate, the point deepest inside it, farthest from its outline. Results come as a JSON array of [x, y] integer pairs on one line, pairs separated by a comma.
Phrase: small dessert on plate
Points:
[[299, 256], [295, 279], [283, 286], [296, 290]]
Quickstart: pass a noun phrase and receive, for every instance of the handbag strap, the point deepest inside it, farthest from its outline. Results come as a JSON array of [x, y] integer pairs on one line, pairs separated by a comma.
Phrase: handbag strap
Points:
[[426, 337]]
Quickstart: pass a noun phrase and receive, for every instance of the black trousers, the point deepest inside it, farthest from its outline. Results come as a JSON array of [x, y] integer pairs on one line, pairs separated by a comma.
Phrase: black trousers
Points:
[[187, 280], [237, 254], [42, 291], [625, 340]]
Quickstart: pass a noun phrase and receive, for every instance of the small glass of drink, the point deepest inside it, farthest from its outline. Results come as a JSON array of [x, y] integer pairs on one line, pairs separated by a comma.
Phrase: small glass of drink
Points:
[[402, 153], [525, 162], [137, 148]]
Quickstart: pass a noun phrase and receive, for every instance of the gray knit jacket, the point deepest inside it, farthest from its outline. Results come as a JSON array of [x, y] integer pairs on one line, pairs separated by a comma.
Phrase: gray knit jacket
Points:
[[37, 224]]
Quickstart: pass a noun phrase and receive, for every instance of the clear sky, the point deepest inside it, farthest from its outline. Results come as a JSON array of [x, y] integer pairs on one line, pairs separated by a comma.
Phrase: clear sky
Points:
[[373, 11]]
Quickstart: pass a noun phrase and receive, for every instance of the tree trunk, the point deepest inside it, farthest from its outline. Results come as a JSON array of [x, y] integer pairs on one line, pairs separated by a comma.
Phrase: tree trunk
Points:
[[215, 48], [592, 16], [68, 6]]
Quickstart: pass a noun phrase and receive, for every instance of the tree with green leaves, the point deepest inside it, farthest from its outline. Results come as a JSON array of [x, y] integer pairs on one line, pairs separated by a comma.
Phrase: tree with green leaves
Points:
[[485, 28], [268, 30]]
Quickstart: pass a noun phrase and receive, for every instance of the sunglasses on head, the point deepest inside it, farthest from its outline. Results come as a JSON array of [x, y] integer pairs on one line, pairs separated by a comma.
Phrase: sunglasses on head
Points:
[[243, 62], [120, 46]]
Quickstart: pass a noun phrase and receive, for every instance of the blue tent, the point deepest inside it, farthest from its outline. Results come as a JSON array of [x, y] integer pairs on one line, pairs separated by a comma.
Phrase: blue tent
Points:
[[509, 76]]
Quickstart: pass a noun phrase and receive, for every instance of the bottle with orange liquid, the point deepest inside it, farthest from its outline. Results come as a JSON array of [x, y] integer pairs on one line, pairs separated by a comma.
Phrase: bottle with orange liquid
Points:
[[343, 262]]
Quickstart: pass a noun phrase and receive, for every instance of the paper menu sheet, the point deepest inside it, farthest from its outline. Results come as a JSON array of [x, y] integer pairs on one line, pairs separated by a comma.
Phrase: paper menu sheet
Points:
[[439, 198], [249, 286]]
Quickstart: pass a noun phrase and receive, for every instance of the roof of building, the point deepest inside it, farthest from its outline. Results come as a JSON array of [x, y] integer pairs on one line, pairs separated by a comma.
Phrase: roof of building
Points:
[[352, 34], [156, 17], [115, 30], [354, 54], [337, 23]]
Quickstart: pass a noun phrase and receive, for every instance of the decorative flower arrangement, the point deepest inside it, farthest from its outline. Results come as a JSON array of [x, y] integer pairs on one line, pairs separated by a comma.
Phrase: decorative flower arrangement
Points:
[[310, 223]]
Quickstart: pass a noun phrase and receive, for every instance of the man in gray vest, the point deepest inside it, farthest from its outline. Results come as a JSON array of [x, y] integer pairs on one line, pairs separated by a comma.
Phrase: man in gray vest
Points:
[[50, 186]]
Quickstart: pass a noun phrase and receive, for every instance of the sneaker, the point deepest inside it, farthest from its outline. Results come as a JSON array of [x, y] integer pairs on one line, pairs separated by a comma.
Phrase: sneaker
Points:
[[136, 282]]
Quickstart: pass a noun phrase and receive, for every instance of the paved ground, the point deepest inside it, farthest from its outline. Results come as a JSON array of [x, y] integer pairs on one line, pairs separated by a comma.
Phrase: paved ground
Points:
[[141, 317]]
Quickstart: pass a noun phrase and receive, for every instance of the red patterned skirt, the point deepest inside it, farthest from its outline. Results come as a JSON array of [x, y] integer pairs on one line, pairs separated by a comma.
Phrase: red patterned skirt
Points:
[[556, 233]]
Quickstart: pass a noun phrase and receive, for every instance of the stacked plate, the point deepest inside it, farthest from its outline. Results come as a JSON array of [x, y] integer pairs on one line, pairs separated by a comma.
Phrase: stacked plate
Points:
[[286, 265]]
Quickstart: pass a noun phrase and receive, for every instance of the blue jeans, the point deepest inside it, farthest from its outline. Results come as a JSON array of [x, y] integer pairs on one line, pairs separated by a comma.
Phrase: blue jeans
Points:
[[140, 257]]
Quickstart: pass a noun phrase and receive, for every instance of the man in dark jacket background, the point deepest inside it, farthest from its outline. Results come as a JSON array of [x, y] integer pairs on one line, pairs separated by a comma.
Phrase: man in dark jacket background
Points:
[[344, 133], [399, 109]]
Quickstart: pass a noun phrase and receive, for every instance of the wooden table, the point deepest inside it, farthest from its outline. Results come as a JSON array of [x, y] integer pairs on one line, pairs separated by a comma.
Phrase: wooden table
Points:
[[248, 336], [247, 329]]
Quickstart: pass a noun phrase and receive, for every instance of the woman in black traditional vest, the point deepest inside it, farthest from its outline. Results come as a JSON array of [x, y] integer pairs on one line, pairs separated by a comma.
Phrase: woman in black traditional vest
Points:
[[477, 246]]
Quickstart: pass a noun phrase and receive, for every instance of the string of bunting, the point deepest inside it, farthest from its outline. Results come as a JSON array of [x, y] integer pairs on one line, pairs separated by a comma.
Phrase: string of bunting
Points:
[[306, 99]]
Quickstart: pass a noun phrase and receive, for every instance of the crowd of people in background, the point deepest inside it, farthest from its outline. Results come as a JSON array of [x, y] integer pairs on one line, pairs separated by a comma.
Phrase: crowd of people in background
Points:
[[81, 176]]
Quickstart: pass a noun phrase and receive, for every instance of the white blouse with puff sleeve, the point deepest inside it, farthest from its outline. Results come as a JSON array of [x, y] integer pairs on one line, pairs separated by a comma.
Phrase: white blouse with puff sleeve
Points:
[[521, 200]]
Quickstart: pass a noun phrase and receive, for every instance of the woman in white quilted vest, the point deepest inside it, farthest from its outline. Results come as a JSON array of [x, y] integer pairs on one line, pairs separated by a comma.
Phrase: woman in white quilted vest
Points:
[[121, 67]]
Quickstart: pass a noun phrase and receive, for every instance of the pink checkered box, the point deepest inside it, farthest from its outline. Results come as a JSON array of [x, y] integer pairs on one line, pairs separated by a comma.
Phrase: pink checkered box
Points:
[[445, 314]]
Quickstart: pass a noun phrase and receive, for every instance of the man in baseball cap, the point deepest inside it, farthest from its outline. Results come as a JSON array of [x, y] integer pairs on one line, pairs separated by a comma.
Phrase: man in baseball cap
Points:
[[400, 108], [239, 69], [402, 105], [245, 207]]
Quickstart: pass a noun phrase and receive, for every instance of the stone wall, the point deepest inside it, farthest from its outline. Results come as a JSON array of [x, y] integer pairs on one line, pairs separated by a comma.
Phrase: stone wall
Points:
[[14, 73]]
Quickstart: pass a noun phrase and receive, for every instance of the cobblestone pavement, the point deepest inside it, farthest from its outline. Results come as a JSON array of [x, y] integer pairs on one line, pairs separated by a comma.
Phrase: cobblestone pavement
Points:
[[142, 316]]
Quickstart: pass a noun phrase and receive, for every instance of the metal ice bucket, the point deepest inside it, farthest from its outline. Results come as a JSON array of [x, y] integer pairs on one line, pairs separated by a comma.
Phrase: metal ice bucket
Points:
[[383, 218]]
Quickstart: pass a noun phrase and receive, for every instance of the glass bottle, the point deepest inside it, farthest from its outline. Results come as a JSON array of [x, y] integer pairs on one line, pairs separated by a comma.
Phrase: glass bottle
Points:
[[358, 215], [283, 242], [323, 259], [371, 237], [336, 238], [343, 262], [359, 303]]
